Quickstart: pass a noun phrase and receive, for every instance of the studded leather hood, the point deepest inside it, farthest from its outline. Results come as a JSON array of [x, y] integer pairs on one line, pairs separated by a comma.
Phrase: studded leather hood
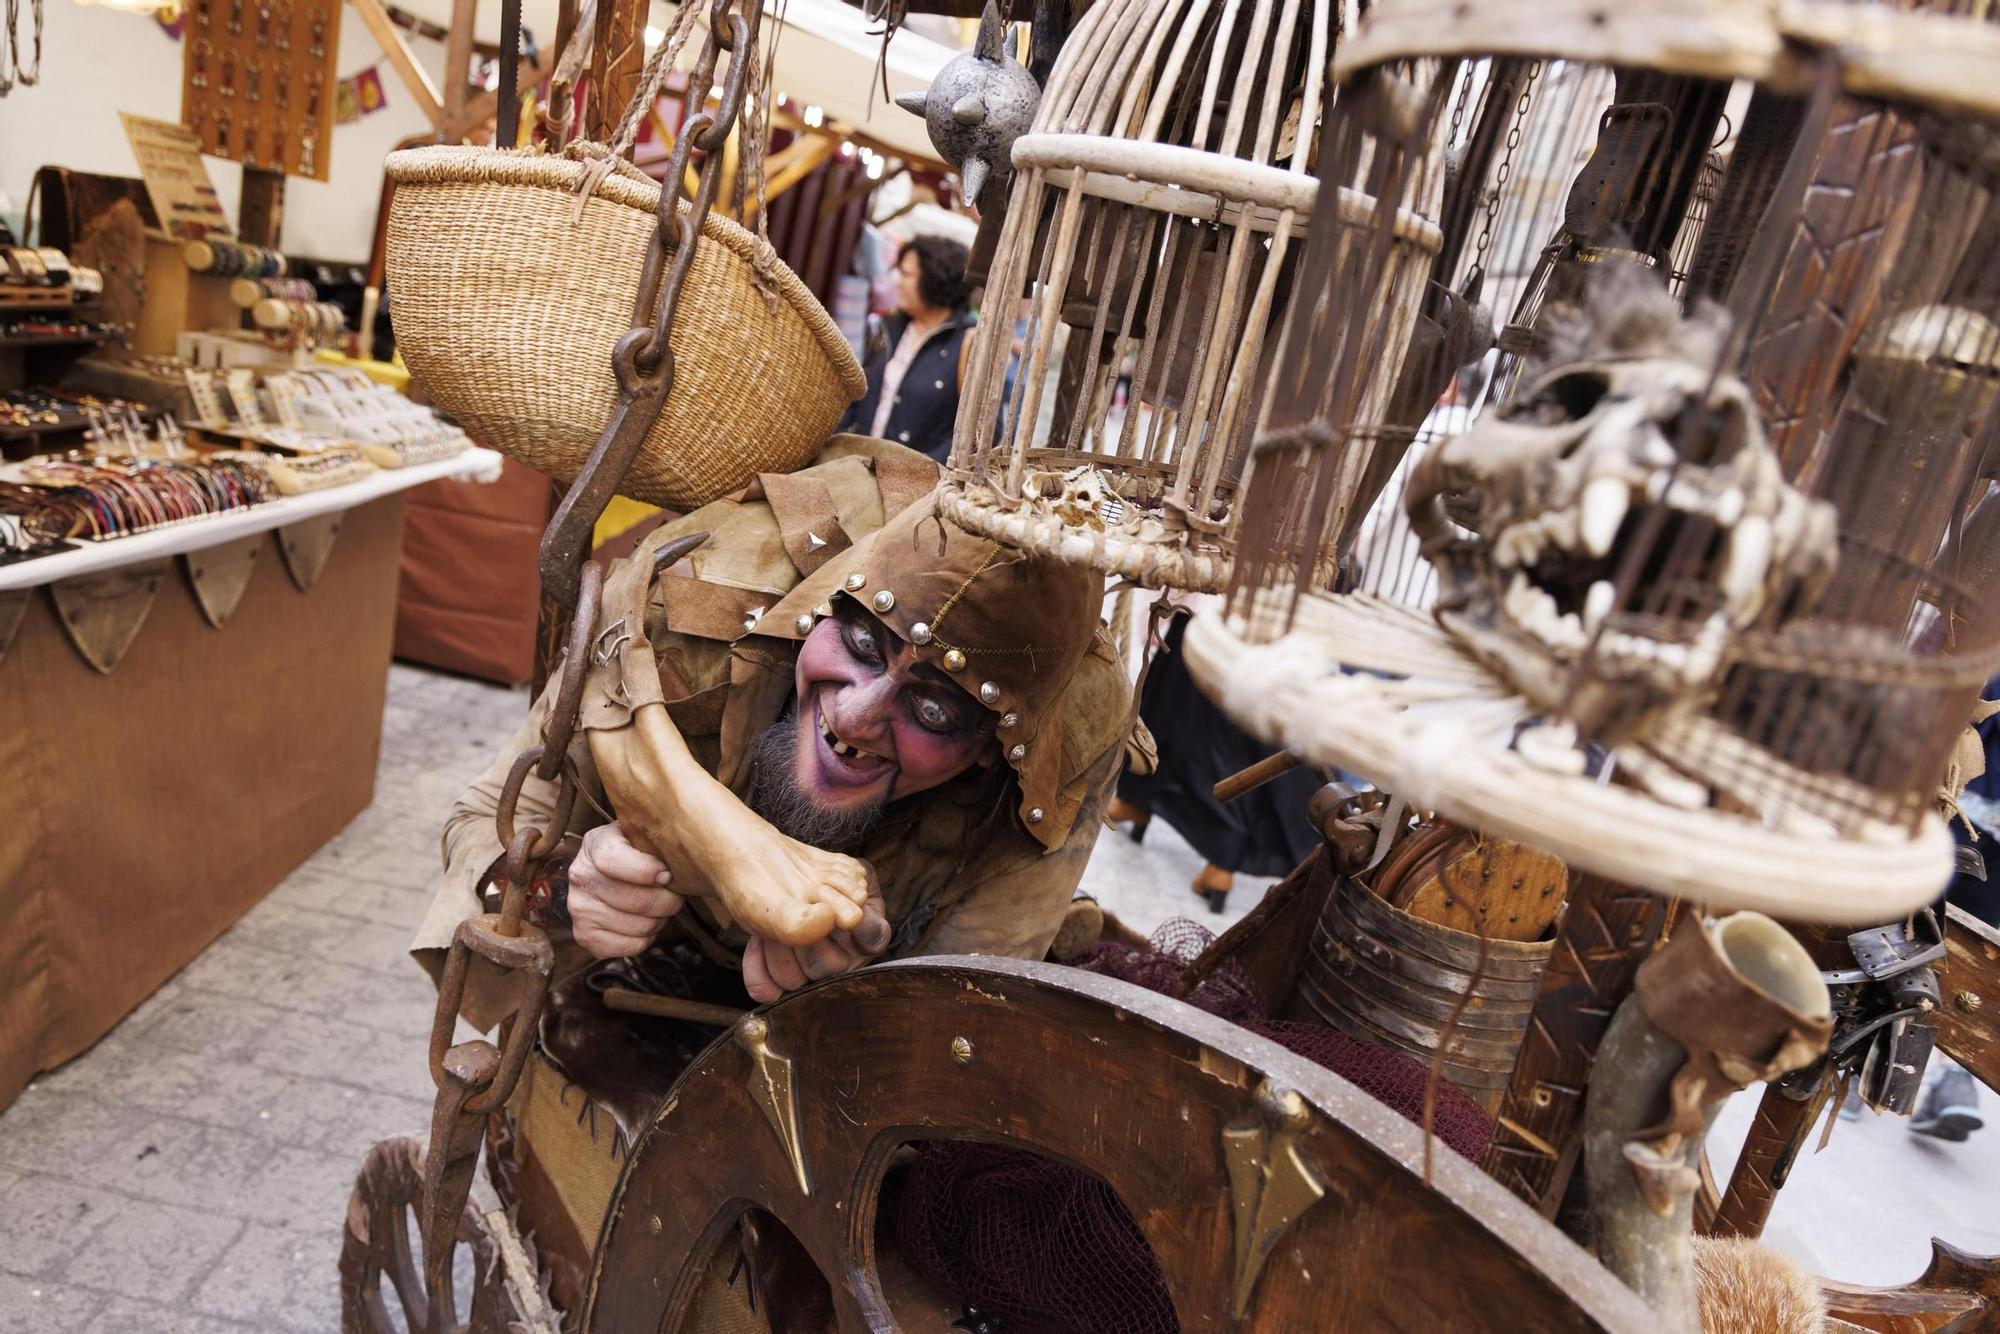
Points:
[[1011, 628]]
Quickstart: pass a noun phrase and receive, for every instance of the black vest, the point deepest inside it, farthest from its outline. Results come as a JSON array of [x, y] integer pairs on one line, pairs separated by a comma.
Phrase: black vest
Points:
[[926, 403]]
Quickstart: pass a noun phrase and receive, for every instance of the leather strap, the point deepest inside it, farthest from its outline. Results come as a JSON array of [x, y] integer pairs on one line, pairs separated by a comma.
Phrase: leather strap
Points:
[[903, 480], [710, 611], [807, 522]]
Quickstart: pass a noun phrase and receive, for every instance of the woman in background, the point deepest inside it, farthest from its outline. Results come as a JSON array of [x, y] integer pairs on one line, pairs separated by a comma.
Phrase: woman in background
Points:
[[914, 376]]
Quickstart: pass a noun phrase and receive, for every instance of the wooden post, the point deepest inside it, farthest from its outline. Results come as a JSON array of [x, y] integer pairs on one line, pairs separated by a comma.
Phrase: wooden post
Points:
[[261, 217], [458, 58], [617, 55], [616, 58]]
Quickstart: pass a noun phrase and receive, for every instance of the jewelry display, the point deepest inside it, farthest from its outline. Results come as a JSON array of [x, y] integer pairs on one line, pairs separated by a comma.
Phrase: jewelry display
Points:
[[25, 266], [102, 497], [11, 72], [228, 258], [241, 76]]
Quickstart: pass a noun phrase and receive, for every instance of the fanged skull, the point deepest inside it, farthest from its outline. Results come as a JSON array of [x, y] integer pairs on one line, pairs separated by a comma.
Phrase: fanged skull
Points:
[[1083, 497], [1625, 433]]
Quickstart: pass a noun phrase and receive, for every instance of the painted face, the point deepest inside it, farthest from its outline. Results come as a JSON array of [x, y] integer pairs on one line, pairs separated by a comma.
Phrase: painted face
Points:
[[909, 295], [876, 722]]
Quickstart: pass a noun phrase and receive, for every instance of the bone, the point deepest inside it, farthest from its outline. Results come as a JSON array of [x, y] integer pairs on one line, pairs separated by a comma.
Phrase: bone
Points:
[[1551, 746], [1597, 604], [1749, 558], [1603, 509]]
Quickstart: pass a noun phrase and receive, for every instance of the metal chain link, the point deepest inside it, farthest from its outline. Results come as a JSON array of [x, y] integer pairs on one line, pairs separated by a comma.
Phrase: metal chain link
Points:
[[1458, 110], [1505, 172], [476, 1078]]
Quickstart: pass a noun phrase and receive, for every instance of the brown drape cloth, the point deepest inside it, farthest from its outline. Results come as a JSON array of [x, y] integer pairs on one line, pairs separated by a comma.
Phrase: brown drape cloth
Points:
[[142, 812]]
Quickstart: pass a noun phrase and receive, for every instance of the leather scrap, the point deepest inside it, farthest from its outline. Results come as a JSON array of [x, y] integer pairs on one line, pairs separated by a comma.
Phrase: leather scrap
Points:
[[807, 521], [103, 613], [220, 575]]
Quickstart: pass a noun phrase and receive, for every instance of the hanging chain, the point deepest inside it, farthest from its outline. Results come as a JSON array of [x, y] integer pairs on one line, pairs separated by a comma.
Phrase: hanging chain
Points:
[[1506, 169], [29, 77], [1468, 72], [10, 46], [476, 1078]]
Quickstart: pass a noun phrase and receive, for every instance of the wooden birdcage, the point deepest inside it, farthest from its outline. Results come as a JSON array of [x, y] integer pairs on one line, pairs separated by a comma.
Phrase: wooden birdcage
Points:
[[1677, 563], [1150, 243]]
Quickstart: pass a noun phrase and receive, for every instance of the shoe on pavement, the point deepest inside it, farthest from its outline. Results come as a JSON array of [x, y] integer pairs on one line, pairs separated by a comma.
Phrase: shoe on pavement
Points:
[[1950, 1107]]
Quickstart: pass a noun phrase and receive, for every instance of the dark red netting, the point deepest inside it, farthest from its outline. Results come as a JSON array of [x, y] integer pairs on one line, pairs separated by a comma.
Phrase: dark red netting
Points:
[[1051, 1249], [1036, 1242]]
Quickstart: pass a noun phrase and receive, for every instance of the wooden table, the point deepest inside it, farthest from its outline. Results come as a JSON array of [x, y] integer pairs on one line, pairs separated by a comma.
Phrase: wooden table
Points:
[[144, 808]]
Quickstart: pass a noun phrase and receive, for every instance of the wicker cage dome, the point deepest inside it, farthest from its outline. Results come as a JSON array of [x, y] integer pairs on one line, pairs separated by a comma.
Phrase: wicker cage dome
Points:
[[1678, 559], [1151, 241]]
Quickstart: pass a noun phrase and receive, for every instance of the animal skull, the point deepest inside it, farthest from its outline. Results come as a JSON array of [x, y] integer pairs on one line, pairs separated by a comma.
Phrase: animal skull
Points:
[[1625, 434], [1082, 497]]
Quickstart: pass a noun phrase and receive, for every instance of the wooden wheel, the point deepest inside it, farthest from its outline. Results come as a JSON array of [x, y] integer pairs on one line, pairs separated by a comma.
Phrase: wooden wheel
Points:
[[1274, 1194], [379, 1243]]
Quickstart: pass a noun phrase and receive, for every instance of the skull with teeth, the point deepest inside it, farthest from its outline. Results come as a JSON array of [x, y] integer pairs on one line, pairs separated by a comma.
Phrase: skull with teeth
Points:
[[1083, 497], [1624, 456]]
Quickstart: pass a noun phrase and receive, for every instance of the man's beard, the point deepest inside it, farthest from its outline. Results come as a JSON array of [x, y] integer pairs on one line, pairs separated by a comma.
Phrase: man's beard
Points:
[[775, 794]]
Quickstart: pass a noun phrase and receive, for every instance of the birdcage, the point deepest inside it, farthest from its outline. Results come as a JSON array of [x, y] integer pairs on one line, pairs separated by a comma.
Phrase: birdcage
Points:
[[1678, 563], [1150, 246]]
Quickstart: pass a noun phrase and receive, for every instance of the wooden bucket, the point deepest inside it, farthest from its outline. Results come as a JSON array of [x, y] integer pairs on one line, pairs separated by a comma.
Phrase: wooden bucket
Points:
[[1378, 973]]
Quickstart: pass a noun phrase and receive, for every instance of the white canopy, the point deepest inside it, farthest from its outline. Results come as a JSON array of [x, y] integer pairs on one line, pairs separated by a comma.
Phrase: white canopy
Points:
[[826, 58]]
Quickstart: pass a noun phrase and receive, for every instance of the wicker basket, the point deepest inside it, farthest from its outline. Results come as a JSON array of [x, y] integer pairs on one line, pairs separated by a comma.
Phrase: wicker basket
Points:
[[508, 304]]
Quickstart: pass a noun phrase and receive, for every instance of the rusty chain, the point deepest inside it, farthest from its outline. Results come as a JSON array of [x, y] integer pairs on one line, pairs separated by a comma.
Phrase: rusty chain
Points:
[[475, 1078]]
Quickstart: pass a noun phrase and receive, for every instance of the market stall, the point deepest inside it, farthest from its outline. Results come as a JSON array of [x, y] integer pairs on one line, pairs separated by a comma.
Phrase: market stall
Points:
[[200, 544], [191, 713]]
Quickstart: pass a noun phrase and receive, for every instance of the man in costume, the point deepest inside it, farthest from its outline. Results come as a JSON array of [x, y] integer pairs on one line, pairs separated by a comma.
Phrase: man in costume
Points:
[[840, 729]]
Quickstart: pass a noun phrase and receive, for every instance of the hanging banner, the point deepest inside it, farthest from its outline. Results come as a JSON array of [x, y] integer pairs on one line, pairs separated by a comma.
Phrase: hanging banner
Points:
[[368, 94], [359, 95]]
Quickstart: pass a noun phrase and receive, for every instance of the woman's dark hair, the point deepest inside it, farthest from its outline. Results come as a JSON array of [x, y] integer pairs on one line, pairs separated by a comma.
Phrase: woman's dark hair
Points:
[[940, 270]]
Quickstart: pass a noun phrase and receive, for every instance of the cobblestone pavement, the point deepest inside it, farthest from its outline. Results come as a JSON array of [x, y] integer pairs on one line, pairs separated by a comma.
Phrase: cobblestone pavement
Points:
[[190, 1172], [188, 1175]]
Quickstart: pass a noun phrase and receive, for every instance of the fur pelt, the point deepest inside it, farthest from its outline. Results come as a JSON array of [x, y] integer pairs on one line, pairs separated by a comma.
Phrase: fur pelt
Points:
[[1747, 1288]]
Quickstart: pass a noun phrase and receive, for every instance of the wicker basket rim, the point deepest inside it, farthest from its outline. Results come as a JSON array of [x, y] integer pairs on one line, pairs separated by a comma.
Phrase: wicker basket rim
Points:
[[471, 164], [1941, 61]]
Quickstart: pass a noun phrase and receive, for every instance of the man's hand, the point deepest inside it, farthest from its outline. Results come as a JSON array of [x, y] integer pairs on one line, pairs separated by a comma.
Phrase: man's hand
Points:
[[771, 969], [618, 899]]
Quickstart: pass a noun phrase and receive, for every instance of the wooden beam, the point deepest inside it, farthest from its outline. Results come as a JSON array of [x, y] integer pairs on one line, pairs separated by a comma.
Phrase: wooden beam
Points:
[[458, 57], [795, 162], [390, 38], [479, 108]]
